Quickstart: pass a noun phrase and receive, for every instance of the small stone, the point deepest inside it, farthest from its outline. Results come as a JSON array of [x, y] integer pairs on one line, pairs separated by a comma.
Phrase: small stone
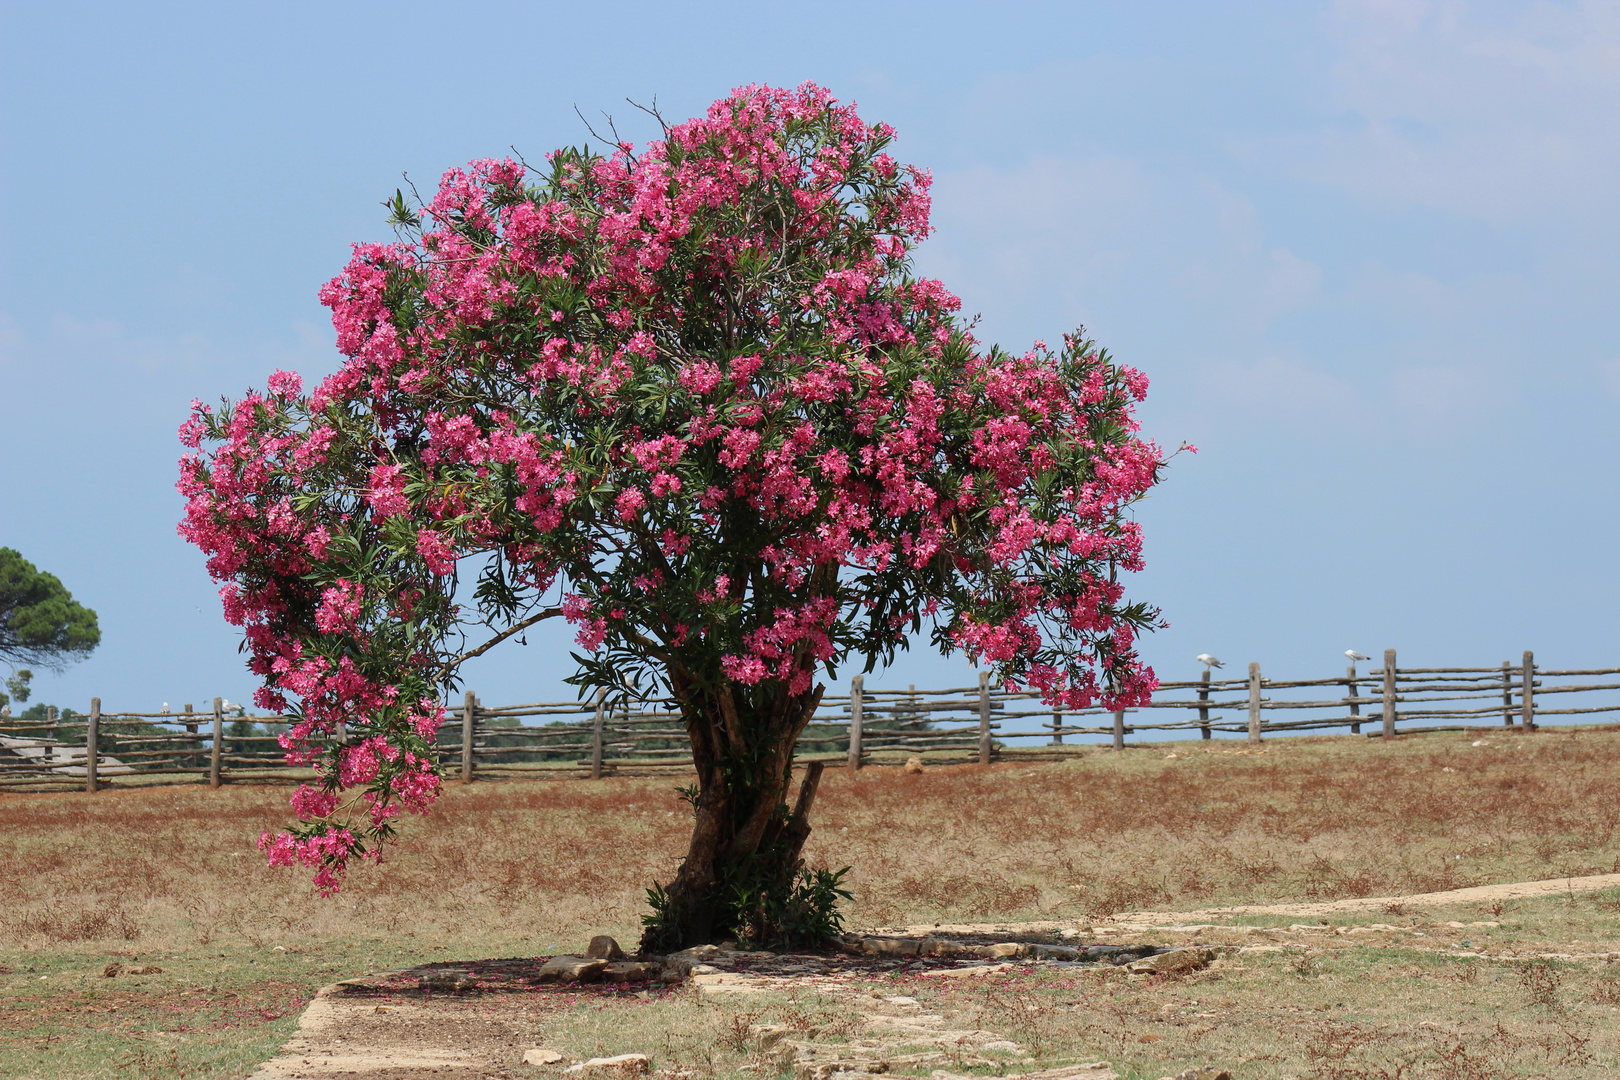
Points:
[[623, 1065], [541, 1055], [1176, 961], [914, 765], [629, 971], [890, 946], [561, 969], [449, 981], [937, 946], [684, 961], [112, 970], [603, 947], [1005, 950], [1091, 1070], [1056, 952]]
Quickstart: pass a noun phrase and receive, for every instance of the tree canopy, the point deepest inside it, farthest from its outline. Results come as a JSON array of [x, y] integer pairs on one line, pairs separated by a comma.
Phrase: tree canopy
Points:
[[691, 399], [40, 622]]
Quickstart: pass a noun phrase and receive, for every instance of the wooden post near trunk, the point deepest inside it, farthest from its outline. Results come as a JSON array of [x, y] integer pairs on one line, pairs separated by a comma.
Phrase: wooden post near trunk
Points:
[[1507, 694], [1527, 694], [1057, 729], [856, 684], [596, 737], [1389, 693], [984, 718], [1203, 710], [1254, 701], [1119, 729], [469, 713], [92, 745], [1355, 710], [217, 748]]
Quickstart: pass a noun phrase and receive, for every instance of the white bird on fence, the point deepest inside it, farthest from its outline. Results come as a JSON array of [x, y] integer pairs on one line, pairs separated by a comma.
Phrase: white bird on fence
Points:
[[165, 707], [1355, 656], [1209, 661]]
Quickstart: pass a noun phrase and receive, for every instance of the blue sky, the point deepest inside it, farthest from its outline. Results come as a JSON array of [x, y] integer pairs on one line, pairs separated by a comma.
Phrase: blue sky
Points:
[[1367, 252]]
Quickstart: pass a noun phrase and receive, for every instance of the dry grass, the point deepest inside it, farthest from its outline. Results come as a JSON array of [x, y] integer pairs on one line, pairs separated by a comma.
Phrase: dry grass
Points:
[[171, 874]]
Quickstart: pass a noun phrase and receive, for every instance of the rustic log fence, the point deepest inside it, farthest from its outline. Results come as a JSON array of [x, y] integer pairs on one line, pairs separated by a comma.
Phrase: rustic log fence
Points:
[[864, 727]]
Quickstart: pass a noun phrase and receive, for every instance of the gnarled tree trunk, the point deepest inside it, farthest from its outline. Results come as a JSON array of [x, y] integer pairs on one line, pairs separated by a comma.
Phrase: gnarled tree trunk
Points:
[[747, 841]]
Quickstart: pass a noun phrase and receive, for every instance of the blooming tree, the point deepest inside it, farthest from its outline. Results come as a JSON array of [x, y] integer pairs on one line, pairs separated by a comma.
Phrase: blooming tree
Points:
[[691, 400]]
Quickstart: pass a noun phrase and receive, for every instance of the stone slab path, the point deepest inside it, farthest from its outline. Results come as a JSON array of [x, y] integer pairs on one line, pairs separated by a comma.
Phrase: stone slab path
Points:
[[347, 1032]]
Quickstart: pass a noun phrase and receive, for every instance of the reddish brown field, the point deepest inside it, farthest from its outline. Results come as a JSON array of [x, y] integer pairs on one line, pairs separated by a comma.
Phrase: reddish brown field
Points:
[[534, 867]]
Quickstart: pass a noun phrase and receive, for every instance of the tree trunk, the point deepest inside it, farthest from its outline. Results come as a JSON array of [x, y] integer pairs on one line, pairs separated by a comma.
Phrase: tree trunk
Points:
[[744, 856]]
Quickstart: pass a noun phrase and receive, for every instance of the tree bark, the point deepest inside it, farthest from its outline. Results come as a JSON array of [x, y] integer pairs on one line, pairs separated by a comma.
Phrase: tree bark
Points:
[[746, 840]]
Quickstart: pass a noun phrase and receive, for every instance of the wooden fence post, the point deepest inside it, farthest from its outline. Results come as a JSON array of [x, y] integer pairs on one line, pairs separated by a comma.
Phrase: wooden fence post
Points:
[[596, 736], [1254, 701], [219, 734], [1355, 709], [857, 684], [92, 745], [1507, 695], [191, 744], [469, 711], [984, 718], [1389, 693], [1527, 695], [1203, 710], [1057, 729], [1119, 729]]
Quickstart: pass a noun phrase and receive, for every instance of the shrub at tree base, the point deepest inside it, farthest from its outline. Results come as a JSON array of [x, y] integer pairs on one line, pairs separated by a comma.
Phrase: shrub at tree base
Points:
[[691, 400]]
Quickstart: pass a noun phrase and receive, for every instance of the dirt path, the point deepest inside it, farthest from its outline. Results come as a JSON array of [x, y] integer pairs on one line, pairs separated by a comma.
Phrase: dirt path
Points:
[[1483, 894]]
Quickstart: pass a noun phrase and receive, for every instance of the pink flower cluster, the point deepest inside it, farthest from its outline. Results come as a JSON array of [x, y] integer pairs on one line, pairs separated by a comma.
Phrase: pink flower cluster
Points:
[[696, 384]]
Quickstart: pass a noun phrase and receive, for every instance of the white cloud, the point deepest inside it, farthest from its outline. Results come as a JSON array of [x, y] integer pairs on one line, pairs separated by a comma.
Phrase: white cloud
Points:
[[1278, 390], [1105, 238], [1510, 122], [1609, 373], [1442, 395]]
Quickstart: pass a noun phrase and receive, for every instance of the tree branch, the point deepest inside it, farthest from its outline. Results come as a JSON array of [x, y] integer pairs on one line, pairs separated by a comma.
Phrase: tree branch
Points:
[[502, 636]]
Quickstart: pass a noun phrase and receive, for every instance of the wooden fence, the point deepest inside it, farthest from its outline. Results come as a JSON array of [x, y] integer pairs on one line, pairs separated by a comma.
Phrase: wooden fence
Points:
[[862, 727]]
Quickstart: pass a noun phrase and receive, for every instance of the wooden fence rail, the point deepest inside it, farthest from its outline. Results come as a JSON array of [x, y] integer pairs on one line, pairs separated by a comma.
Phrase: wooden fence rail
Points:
[[866, 726]]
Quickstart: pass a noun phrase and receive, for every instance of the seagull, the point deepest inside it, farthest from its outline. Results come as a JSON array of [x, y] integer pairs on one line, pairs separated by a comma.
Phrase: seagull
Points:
[[1209, 661], [165, 706], [1355, 656]]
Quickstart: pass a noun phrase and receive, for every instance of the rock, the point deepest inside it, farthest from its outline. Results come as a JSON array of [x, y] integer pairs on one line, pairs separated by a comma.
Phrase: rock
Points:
[[914, 765], [684, 961], [628, 971], [890, 946], [1175, 961], [541, 1055], [448, 981], [937, 946], [571, 969], [603, 947], [112, 970], [1091, 1070], [967, 972], [149, 969], [1056, 952], [1006, 950], [624, 1065]]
